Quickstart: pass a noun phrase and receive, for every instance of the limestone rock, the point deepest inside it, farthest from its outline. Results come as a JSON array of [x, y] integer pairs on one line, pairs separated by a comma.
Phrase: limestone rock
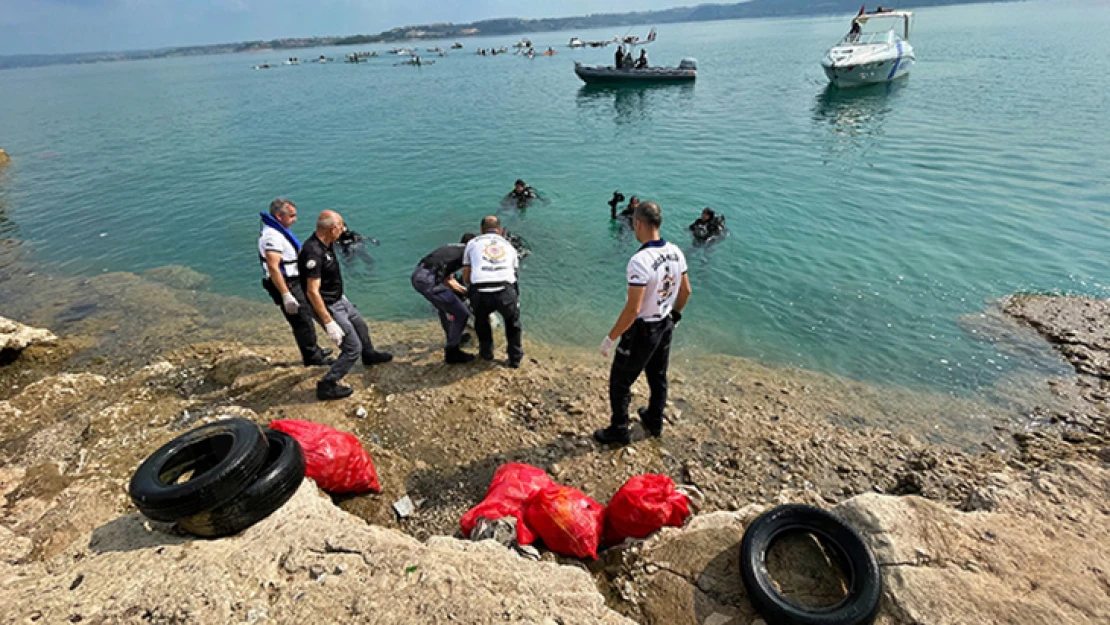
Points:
[[16, 337], [4, 158], [947, 568], [308, 562]]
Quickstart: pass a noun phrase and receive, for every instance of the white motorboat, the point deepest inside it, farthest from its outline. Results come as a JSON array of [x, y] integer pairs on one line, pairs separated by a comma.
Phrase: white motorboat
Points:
[[875, 50], [575, 42]]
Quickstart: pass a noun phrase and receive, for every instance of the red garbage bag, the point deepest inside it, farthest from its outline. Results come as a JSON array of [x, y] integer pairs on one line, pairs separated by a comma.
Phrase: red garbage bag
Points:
[[336, 460], [568, 522], [512, 485], [643, 505]]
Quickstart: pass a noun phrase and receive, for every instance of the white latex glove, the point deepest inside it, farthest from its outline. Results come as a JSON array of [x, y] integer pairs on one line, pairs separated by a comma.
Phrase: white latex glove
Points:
[[289, 303], [606, 346], [335, 332]]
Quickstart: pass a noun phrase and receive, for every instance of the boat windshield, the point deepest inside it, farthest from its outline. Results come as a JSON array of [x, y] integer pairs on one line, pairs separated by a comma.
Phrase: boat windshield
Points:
[[871, 38]]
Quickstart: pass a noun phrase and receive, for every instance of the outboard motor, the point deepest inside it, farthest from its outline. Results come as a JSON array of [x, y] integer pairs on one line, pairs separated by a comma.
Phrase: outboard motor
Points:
[[688, 63]]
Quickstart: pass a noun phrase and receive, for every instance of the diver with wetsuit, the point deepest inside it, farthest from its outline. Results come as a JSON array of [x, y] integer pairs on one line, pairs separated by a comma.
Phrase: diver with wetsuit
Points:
[[626, 214], [708, 226], [522, 194]]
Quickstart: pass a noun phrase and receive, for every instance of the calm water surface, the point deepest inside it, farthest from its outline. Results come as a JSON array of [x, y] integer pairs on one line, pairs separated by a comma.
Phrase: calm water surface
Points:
[[865, 224]]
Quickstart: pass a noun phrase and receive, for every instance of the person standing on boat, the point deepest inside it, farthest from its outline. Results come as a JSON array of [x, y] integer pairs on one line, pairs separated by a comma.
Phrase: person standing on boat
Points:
[[628, 63], [323, 285], [642, 62], [277, 249], [618, 58], [490, 268], [658, 289]]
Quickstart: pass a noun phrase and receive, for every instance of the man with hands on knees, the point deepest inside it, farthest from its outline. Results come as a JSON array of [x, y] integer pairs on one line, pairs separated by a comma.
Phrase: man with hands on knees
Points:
[[658, 289], [323, 285]]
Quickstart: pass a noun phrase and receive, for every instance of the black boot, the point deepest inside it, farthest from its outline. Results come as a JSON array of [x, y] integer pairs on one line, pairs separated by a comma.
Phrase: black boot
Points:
[[654, 427], [613, 435], [466, 338], [326, 390], [376, 358], [456, 356]]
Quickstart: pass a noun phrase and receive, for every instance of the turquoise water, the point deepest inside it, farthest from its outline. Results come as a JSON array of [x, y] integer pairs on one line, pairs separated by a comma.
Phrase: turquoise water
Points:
[[864, 224]]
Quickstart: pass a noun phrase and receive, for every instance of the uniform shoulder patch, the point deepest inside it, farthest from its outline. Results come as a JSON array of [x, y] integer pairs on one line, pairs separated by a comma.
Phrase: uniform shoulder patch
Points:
[[311, 264]]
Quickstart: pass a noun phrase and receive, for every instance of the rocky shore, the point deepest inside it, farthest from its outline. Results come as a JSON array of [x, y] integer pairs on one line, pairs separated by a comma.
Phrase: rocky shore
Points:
[[982, 518]]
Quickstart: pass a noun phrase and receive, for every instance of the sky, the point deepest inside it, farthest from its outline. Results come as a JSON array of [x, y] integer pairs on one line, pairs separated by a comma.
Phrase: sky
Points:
[[57, 26]]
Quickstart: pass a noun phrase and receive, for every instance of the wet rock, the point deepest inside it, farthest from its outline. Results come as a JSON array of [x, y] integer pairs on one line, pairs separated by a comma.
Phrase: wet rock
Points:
[[4, 158]]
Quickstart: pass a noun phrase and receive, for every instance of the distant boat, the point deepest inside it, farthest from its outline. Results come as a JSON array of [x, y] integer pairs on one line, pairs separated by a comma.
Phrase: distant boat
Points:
[[687, 71], [875, 50], [523, 43], [457, 46], [575, 42]]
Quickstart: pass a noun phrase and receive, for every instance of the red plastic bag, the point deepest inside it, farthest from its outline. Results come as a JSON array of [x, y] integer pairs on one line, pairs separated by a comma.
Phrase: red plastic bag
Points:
[[336, 460], [510, 489], [568, 522], [643, 505]]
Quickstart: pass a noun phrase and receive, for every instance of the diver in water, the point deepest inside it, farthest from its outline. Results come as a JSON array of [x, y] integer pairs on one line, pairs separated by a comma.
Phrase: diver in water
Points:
[[353, 245], [522, 195], [518, 243], [626, 214], [708, 227]]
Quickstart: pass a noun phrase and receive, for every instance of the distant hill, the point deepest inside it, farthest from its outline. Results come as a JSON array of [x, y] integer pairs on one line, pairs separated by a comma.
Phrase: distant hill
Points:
[[492, 27]]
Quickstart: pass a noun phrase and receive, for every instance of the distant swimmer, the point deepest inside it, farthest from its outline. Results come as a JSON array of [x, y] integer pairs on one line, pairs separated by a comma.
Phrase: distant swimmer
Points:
[[708, 227], [522, 194], [353, 245], [626, 214]]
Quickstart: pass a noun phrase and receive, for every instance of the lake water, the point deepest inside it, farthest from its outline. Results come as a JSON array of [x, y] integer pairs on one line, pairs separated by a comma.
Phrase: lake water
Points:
[[864, 224]]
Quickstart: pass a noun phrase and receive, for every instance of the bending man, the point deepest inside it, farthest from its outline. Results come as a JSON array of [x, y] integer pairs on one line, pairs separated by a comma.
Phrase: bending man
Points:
[[277, 249], [434, 278], [658, 289], [323, 284]]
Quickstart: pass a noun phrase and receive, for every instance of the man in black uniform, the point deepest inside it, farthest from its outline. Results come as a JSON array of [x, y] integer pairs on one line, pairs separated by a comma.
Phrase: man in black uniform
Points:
[[434, 278], [323, 284]]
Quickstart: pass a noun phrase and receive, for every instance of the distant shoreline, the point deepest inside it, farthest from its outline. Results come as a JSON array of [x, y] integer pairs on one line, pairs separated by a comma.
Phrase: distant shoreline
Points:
[[484, 28]]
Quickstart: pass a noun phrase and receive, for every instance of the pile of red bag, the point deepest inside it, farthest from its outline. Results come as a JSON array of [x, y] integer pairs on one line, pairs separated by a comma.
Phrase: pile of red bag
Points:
[[570, 523], [334, 459]]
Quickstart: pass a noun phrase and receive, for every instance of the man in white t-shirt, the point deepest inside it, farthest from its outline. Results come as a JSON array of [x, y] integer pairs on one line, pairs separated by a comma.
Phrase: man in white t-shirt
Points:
[[490, 267], [658, 289], [277, 250]]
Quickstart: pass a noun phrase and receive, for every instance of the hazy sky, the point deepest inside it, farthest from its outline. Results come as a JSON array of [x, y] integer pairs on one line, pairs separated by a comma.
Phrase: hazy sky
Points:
[[45, 26]]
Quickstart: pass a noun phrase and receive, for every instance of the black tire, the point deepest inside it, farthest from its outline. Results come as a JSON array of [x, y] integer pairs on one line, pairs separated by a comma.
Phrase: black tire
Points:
[[225, 457], [865, 584], [280, 477]]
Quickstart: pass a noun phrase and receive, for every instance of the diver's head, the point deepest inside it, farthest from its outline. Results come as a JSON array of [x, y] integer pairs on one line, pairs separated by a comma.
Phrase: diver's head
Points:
[[646, 220], [707, 214], [467, 237], [284, 211], [491, 223], [329, 225], [519, 185], [634, 202]]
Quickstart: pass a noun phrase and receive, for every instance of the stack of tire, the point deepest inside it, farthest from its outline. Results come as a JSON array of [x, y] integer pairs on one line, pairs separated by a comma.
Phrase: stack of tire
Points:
[[240, 474]]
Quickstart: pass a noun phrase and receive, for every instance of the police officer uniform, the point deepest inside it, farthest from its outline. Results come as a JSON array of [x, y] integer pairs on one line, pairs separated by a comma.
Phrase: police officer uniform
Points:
[[304, 332], [494, 265], [428, 280], [646, 347], [317, 260]]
